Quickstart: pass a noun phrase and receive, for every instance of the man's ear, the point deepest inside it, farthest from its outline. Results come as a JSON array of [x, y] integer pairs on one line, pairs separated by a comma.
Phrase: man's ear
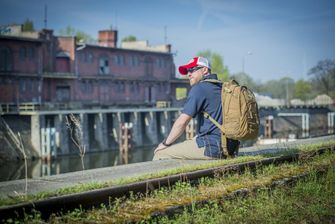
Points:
[[205, 70]]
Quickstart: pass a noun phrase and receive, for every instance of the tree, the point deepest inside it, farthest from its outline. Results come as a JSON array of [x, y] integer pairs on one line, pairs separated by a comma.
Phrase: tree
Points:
[[218, 66], [302, 90], [129, 38], [244, 79], [282, 89], [80, 35], [28, 25], [324, 77]]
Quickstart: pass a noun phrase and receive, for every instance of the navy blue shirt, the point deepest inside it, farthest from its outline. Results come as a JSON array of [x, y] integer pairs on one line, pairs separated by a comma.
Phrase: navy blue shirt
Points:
[[206, 96]]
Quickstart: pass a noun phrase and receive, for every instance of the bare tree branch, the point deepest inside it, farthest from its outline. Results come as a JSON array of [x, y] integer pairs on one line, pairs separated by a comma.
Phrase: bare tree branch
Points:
[[76, 134]]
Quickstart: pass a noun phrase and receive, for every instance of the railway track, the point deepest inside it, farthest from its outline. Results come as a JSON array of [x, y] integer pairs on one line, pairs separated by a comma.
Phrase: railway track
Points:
[[95, 198]]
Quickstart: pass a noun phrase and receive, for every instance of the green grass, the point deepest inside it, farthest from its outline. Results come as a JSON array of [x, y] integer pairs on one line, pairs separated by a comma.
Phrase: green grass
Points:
[[310, 201], [306, 201], [187, 168]]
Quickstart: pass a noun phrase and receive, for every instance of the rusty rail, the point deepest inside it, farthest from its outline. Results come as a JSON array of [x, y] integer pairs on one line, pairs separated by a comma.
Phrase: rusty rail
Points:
[[95, 198]]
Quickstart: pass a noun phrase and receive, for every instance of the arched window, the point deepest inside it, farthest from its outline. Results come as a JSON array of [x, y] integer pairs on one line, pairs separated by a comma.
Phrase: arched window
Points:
[[6, 59]]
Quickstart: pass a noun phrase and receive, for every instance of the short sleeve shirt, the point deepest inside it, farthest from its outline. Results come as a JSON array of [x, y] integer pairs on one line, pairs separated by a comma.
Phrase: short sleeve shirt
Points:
[[206, 96]]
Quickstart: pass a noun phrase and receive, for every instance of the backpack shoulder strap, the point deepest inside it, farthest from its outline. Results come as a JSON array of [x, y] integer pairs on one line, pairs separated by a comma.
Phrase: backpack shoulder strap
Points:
[[211, 80], [207, 116], [223, 136]]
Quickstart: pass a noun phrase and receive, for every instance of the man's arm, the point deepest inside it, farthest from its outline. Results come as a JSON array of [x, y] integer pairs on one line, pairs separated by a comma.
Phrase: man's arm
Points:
[[177, 130]]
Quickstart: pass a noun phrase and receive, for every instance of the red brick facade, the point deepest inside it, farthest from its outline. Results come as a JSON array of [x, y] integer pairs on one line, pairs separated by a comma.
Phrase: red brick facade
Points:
[[55, 70]]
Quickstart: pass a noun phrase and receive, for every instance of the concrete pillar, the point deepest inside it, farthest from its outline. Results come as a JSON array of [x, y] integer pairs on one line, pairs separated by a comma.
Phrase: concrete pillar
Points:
[[48, 138], [111, 138], [37, 123], [305, 125], [117, 120], [62, 135], [100, 130], [137, 128], [85, 131], [304, 121], [331, 122], [165, 119], [190, 129], [151, 127], [268, 130]]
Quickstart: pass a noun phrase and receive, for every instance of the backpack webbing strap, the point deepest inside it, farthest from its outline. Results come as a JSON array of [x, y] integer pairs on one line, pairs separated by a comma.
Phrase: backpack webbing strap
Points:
[[224, 146], [206, 115], [223, 138], [217, 82]]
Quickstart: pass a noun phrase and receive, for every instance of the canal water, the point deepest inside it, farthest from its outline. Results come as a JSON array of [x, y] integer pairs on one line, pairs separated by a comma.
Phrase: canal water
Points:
[[38, 168]]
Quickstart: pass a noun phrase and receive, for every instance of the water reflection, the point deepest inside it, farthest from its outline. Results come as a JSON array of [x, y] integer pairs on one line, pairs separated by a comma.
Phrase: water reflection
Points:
[[39, 168]]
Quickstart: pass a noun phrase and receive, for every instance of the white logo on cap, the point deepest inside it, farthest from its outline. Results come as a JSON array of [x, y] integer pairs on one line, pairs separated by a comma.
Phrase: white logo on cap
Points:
[[192, 60]]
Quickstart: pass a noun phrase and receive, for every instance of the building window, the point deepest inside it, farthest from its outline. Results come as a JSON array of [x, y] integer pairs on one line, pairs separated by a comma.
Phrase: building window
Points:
[[134, 60], [63, 93], [22, 85], [159, 62], [87, 87], [103, 66], [121, 87], [133, 87], [120, 60], [22, 53], [86, 57], [82, 56], [29, 85], [26, 85], [30, 53], [6, 59], [90, 58]]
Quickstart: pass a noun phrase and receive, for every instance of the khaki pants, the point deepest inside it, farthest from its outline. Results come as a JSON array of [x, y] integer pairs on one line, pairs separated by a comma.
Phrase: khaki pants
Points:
[[184, 150]]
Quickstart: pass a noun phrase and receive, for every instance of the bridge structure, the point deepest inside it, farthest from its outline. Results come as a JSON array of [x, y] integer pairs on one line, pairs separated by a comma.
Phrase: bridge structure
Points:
[[46, 132]]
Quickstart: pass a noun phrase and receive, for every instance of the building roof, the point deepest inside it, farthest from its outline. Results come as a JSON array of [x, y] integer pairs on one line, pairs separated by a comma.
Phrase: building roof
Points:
[[19, 38], [127, 50]]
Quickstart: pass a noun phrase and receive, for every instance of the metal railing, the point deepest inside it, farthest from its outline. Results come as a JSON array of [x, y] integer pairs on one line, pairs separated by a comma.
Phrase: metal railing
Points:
[[24, 107], [163, 104]]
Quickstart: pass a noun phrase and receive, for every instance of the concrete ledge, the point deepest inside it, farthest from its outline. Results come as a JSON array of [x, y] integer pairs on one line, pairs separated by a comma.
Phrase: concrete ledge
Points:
[[55, 182]]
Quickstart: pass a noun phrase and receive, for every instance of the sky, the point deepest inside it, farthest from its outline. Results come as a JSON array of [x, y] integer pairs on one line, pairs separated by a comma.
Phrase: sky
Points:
[[268, 39]]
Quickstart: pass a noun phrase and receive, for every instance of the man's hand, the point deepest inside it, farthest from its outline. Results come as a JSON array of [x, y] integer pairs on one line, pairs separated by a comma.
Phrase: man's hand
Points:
[[160, 147], [177, 130]]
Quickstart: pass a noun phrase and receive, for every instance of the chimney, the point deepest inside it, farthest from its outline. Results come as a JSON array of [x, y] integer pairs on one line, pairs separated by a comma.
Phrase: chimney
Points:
[[108, 38]]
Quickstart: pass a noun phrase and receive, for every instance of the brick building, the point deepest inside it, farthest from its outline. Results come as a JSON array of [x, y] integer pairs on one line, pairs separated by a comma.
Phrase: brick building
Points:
[[52, 72]]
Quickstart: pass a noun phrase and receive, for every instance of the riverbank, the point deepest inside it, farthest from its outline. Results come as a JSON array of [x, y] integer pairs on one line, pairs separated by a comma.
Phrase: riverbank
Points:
[[101, 175]]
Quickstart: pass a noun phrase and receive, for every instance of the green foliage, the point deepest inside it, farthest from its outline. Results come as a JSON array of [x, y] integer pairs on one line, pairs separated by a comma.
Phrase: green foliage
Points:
[[217, 63], [129, 38], [28, 25], [323, 77], [80, 35], [302, 89], [322, 80], [282, 89], [245, 79], [181, 93]]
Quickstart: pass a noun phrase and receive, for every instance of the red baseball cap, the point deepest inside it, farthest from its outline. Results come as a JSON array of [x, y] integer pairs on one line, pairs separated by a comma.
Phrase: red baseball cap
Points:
[[197, 61]]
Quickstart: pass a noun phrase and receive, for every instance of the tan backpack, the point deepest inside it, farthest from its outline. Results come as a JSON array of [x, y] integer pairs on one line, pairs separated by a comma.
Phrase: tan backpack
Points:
[[240, 113]]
